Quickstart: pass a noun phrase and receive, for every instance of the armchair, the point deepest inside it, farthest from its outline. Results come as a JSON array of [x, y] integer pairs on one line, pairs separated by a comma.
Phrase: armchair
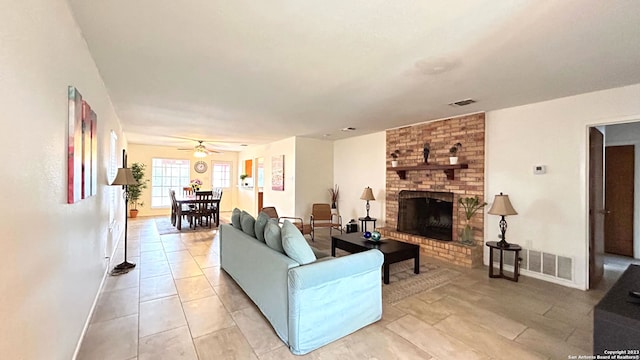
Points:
[[321, 217]]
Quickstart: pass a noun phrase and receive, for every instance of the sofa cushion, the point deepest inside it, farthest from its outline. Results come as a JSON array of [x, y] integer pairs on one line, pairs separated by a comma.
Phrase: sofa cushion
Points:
[[295, 245], [261, 223], [235, 218], [248, 223], [272, 236]]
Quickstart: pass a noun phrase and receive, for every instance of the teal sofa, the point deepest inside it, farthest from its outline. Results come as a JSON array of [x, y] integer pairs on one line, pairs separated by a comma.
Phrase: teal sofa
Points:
[[309, 305]]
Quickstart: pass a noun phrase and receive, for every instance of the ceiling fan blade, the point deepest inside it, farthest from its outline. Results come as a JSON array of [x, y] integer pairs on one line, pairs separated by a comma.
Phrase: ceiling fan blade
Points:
[[213, 151]]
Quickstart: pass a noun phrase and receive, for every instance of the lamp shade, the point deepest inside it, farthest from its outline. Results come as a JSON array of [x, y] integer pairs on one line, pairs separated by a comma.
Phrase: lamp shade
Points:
[[199, 153], [502, 206], [367, 194], [124, 177]]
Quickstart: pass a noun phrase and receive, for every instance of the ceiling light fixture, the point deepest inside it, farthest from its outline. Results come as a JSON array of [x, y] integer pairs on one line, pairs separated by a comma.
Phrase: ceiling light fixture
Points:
[[200, 152], [348, 129]]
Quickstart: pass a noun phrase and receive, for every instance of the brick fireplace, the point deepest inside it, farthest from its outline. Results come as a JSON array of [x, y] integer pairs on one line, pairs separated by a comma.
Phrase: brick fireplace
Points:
[[467, 180]]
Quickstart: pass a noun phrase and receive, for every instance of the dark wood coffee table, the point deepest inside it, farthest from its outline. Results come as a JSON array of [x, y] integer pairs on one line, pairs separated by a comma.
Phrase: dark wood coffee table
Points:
[[394, 251]]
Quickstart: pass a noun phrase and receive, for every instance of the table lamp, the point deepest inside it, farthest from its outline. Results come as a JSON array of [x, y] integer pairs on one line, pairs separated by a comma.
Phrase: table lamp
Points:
[[124, 177], [367, 195], [502, 206]]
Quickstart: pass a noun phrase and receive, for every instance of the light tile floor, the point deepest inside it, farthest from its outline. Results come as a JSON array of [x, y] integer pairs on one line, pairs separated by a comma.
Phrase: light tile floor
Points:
[[178, 304]]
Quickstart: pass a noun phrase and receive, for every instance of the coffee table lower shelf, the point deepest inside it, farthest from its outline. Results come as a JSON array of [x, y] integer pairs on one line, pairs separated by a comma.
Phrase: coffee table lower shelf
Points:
[[394, 251]]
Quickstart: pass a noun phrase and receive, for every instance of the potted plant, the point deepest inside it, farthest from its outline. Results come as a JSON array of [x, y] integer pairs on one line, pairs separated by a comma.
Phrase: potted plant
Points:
[[453, 153], [242, 178], [334, 196], [471, 205], [395, 155], [135, 191]]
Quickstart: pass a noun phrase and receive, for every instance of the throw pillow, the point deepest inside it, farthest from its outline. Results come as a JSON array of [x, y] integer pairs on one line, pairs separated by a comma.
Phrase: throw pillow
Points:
[[261, 223], [235, 219], [272, 235], [248, 224], [295, 245]]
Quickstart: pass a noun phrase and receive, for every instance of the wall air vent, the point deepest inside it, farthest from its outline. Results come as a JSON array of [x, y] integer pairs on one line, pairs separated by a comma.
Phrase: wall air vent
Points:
[[462, 102]]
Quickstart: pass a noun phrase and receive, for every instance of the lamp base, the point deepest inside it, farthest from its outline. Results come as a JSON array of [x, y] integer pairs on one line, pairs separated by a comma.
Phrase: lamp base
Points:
[[122, 268], [367, 217], [503, 244]]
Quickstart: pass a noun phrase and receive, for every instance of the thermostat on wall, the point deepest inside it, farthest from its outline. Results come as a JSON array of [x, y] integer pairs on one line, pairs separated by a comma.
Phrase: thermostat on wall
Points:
[[539, 169]]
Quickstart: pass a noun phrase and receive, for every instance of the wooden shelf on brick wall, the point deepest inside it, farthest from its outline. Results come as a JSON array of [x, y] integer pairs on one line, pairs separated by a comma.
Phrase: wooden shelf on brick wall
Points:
[[448, 169]]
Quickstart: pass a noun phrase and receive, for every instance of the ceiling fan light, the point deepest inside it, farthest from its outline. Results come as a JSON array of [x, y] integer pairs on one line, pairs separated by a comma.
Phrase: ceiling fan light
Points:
[[199, 154]]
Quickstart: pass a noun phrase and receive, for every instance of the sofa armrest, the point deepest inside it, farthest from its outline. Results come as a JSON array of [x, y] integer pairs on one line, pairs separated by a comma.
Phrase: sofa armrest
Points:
[[320, 273], [333, 298]]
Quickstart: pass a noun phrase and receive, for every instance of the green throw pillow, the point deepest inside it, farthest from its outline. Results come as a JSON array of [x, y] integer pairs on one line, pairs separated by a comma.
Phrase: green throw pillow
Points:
[[248, 224], [235, 219], [295, 245], [261, 223], [272, 235]]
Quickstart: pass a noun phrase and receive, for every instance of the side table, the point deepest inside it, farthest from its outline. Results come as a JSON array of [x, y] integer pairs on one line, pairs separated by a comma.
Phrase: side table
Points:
[[364, 221], [493, 245]]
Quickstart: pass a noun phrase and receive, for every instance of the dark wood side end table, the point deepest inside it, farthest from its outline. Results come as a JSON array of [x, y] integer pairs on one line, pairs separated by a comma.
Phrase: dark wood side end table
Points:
[[364, 221], [493, 245]]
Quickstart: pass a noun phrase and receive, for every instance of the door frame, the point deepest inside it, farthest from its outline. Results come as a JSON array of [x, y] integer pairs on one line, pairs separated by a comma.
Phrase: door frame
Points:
[[585, 184]]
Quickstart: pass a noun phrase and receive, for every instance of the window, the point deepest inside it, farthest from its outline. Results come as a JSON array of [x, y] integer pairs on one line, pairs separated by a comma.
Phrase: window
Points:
[[221, 174], [167, 174]]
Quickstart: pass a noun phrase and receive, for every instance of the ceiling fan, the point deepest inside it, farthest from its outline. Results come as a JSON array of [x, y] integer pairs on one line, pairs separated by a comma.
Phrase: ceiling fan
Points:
[[200, 150]]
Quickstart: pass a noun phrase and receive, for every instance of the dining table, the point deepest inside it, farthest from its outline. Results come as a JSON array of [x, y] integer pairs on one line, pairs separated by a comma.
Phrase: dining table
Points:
[[192, 200]]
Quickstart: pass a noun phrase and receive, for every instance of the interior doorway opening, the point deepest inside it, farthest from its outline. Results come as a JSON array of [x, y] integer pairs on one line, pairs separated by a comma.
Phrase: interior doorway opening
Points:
[[614, 222]]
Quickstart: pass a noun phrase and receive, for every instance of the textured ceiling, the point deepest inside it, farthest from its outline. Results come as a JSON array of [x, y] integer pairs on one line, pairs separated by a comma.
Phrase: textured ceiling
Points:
[[254, 72]]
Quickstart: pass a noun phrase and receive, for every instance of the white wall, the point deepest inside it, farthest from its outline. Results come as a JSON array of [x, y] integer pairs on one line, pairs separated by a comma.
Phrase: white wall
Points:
[[145, 153], [359, 162], [284, 201], [314, 174], [629, 134], [552, 208], [53, 253]]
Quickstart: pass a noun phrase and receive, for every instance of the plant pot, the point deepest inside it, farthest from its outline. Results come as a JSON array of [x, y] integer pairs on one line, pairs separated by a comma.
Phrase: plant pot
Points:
[[453, 160], [394, 163], [133, 213]]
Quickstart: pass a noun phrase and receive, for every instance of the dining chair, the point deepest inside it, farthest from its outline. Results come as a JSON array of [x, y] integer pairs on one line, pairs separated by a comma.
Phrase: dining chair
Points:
[[203, 209], [321, 217], [186, 210]]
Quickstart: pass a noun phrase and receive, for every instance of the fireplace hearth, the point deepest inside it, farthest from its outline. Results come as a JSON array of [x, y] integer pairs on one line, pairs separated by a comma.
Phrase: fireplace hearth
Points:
[[426, 213]]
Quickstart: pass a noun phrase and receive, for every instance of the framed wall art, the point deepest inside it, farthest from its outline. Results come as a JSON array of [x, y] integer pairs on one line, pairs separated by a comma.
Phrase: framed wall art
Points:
[[277, 173]]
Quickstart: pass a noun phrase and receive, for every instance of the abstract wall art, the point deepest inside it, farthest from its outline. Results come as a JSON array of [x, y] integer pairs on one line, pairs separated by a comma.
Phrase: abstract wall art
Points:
[[82, 149], [277, 173]]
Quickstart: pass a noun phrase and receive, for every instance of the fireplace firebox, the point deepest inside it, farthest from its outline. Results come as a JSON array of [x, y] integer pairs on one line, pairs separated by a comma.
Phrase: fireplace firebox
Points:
[[426, 213]]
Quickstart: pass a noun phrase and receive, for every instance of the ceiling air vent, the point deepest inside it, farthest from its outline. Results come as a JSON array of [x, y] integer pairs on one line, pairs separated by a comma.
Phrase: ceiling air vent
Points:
[[462, 102]]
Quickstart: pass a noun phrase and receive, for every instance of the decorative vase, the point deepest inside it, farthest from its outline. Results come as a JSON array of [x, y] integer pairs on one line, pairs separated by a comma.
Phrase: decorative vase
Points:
[[425, 153], [394, 163], [467, 234], [367, 235], [375, 236], [453, 160]]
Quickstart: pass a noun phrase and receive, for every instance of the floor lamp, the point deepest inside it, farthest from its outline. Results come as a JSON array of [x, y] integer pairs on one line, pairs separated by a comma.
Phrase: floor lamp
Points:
[[124, 178]]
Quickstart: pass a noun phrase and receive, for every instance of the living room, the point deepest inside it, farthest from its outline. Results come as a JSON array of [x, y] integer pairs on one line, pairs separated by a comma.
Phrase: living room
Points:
[[56, 253]]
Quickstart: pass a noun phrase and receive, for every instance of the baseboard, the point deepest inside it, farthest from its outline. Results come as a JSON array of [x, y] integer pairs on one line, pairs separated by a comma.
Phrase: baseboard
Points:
[[95, 300]]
